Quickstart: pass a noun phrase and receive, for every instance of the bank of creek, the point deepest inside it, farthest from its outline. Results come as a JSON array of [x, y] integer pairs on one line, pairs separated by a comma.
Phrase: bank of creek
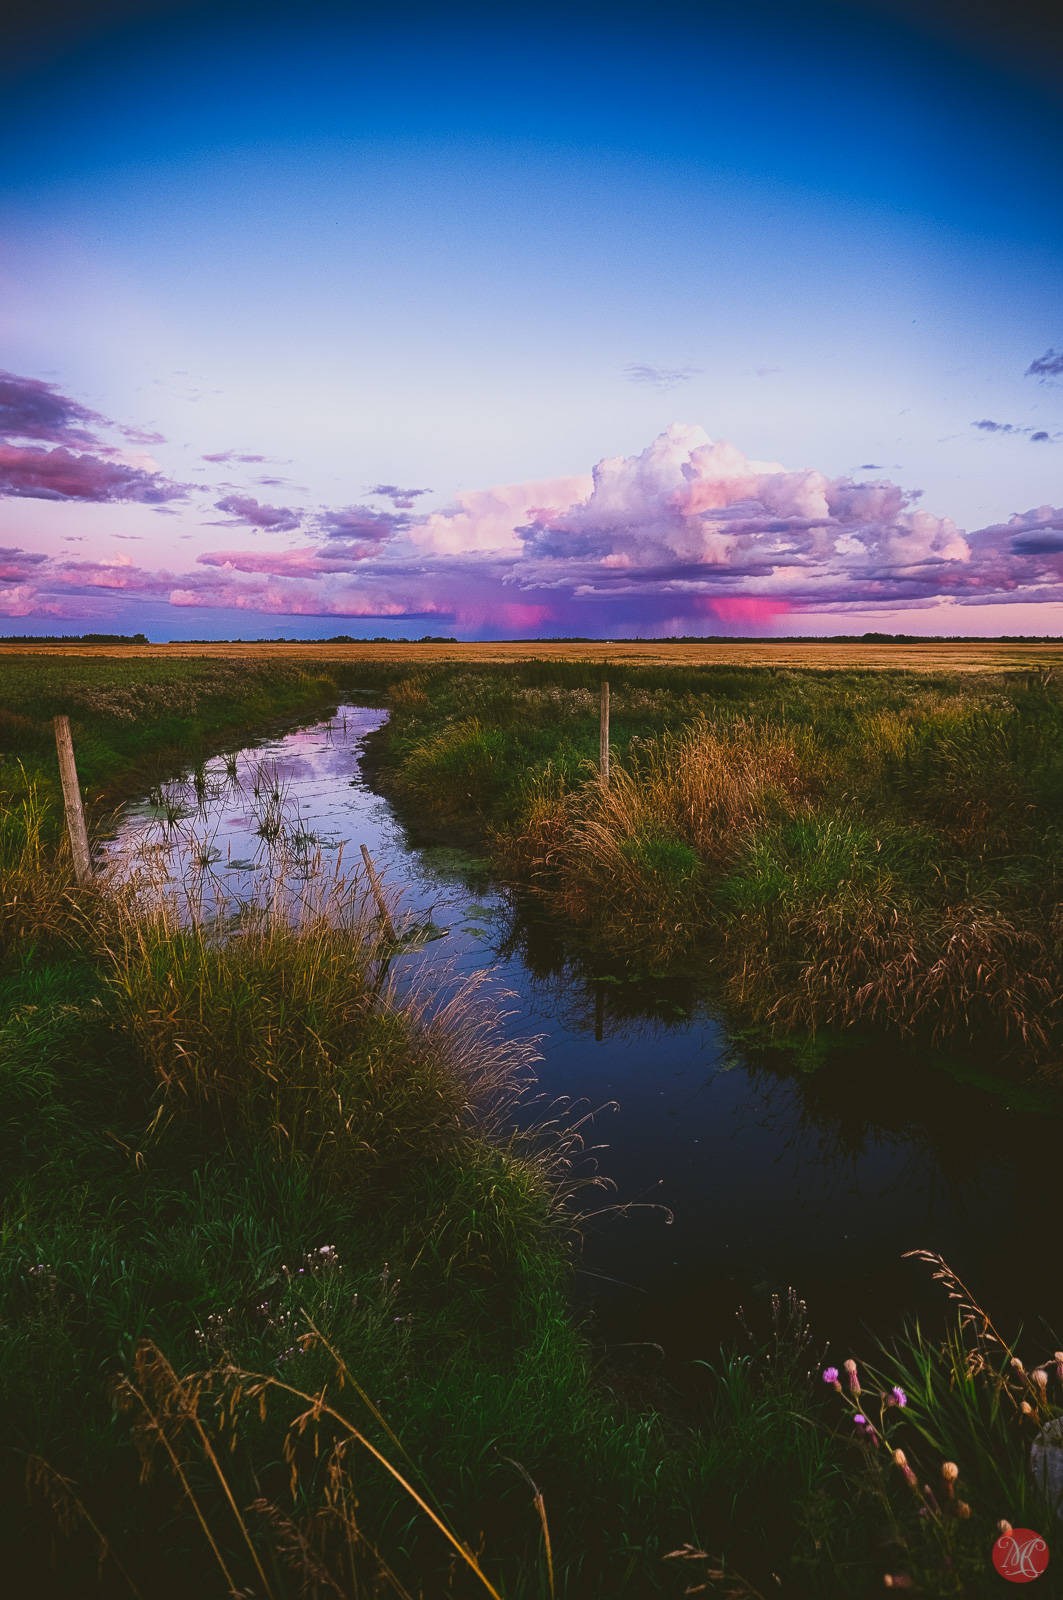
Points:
[[742, 1170]]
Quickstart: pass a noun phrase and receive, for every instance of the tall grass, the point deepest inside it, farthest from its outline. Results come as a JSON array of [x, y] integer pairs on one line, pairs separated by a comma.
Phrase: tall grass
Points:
[[836, 848], [638, 855], [214, 1132], [40, 906], [284, 1034], [239, 1165], [185, 1100]]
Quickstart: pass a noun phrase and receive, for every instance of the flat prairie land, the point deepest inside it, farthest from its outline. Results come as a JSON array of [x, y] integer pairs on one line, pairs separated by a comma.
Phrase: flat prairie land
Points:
[[911, 656]]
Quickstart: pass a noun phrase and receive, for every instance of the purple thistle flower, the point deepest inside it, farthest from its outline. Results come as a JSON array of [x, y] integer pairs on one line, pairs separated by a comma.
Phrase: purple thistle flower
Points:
[[860, 1420], [897, 1396], [830, 1375]]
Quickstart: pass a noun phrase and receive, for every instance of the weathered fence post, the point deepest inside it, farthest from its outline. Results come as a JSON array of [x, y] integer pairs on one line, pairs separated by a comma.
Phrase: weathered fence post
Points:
[[75, 815], [378, 895], [603, 743]]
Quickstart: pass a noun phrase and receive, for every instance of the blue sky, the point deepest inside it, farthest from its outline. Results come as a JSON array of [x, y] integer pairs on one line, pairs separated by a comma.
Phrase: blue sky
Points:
[[456, 253]]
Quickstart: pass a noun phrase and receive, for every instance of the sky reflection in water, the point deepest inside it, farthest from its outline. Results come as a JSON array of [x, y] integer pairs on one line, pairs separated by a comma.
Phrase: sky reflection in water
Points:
[[771, 1176]]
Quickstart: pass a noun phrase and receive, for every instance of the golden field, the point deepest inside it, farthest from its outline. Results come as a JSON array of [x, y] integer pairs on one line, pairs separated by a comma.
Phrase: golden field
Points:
[[912, 656]]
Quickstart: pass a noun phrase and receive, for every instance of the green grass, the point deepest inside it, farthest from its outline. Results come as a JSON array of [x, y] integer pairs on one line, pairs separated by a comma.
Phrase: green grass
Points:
[[134, 720], [838, 849], [212, 1148], [207, 1147], [950, 1467]]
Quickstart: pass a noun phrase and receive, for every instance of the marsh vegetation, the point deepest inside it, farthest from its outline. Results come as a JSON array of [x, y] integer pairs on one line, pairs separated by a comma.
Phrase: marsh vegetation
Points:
[[835, 849], [286, 1277], [233, 1156]]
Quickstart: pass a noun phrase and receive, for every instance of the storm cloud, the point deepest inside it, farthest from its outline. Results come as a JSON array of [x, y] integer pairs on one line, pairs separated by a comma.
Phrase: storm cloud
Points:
[[688, 528]]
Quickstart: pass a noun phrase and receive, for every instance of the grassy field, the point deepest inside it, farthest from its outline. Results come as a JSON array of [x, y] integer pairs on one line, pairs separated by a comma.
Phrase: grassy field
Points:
[[269, 1237], [269, 1241], [136, 720], [829, 847], [211, 1150], [932, 655], [240, 1170]]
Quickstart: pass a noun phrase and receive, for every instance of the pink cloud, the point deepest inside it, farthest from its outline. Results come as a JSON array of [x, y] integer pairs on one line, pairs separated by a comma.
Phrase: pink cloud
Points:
[[518, 616], [18, 564], [689, 528], [489, 519], [287, 598], [22, 601], [309, 561], [743, 608], [34, 410], [119, 573], [692, 516]]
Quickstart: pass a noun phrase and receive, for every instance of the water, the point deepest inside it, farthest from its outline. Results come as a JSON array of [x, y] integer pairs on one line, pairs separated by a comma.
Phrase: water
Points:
[[738, 1174]]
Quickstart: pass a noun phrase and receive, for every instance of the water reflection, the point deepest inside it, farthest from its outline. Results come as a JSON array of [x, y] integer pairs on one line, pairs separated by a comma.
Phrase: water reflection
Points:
[[771, 1175]]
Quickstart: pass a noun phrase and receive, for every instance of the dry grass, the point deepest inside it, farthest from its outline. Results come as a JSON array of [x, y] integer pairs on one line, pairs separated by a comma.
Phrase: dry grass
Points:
[[964, 971], [637, 855], [307, 1532], [911, 656], [709, 786], [281, 1024]]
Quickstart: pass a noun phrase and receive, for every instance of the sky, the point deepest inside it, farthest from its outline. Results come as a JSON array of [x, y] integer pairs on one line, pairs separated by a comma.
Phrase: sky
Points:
[[598, 321]]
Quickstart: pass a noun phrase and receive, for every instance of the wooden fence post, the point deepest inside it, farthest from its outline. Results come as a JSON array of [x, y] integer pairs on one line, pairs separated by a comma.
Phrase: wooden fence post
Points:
[[603, 742], [75, 815], [378, 895]]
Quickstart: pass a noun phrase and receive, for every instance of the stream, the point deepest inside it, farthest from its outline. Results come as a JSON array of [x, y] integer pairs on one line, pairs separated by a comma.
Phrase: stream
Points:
[[738, 1173]]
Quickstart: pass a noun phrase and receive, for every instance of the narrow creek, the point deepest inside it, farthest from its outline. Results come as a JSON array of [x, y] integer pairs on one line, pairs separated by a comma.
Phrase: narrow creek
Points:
[[740, 1173]]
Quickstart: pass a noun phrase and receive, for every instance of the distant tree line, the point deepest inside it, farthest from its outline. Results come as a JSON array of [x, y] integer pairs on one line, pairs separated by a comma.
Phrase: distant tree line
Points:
[[74, 638]]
